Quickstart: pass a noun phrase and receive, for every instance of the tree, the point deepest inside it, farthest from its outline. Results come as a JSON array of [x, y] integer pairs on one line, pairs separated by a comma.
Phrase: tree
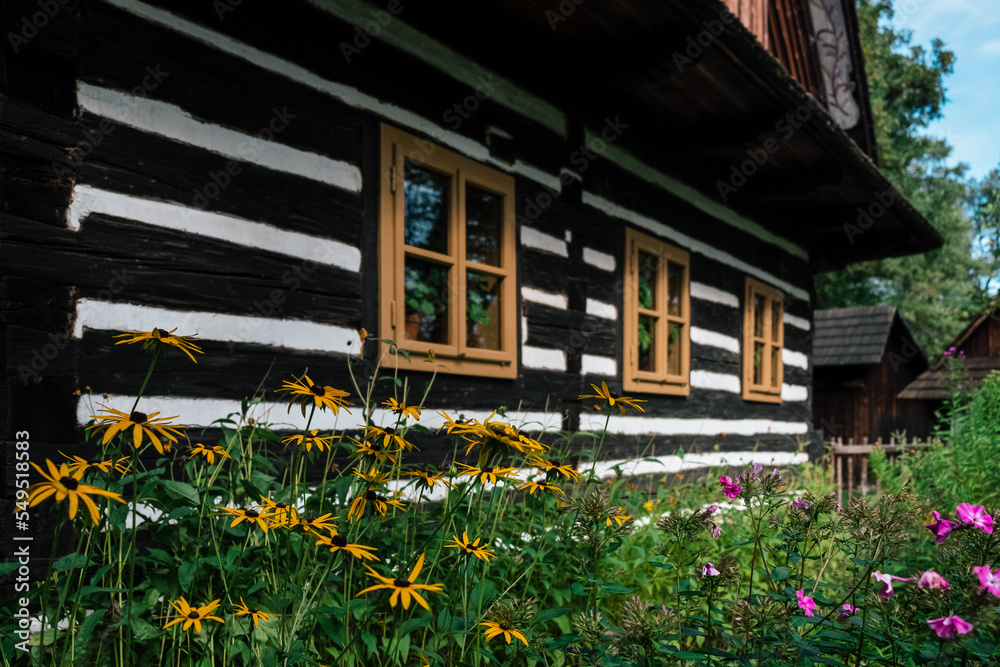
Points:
[[939, 291]]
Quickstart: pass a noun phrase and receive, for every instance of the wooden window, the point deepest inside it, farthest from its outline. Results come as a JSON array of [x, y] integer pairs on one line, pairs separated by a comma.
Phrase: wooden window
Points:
[[447, 259], [657, 317], [763, 339]]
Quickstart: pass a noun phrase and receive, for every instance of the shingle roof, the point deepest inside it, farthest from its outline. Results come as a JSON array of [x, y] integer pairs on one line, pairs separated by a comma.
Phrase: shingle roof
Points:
[[930, 384], [851, 336]]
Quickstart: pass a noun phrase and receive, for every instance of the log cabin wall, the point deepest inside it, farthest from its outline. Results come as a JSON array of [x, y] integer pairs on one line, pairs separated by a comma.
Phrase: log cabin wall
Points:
[[191, 165], [888, 414]]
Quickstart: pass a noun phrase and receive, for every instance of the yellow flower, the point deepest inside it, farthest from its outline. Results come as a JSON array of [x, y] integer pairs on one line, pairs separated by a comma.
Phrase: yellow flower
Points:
[[618, 517], [386, 437], [614, 399], [401, 409], [487, 473], [312, 525], [471, 548], [80, 463], [541, 486], [305, 393], [209, 454], [307, 441], [339, 543], [566, 469], [494, 629], [192, 616], [374, 449], [279, 514], [461, 425], [141, 424], [256, 614], [649, 506], [429, 479], [404, 588], [251, 516], [161, 341], [381, 505], [63, 484]]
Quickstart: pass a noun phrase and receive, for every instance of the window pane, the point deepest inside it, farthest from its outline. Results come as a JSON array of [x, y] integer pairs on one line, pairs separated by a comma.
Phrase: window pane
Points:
[[426, 287], [775, 360], [483, 218], [426, 208], [758, 363], [675, 284], [775, 320], [647, 343], [674, 348], [482, 311], [648, 268], [759, 304]]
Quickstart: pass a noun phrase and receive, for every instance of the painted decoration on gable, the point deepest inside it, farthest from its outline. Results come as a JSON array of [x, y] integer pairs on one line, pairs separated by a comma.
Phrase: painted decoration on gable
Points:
[[835, 61]]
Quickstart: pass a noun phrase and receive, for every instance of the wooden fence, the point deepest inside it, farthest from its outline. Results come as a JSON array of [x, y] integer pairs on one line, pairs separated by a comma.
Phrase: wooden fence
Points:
[[849, 463]]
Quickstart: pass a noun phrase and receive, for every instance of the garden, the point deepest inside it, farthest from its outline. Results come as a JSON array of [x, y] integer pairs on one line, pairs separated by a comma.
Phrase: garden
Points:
[[330, 548]]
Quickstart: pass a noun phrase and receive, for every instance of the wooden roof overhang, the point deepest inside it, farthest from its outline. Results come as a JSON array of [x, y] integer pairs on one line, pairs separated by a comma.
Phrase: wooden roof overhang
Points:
[[694, 120]]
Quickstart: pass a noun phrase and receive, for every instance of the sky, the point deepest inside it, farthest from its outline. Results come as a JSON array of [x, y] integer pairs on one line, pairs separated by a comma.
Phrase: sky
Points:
[[970, 28]]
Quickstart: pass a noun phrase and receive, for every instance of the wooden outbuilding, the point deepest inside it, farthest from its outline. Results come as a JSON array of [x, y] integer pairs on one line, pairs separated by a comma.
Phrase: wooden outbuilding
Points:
[[862, 357]]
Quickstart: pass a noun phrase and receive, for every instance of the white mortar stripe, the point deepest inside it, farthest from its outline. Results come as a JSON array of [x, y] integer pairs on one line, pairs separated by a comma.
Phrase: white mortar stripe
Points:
[[648, 425], [719, 381], [690, 243], [672, 464], [799, 322], [87, 200], [601, 309], [706, 337], [346, 94], [708, 293], [794, 392], [594, 365], [792, 358], [168, 120], [543, 358], [543, 297], [294, 334], [599, 259], [541, 241]]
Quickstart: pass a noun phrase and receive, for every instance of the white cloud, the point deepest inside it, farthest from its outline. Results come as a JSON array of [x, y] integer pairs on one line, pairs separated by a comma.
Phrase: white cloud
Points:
[[992, 47]]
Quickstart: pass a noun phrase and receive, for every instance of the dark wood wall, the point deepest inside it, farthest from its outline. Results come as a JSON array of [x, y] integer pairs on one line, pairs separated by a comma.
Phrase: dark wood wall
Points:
[[52, 147]]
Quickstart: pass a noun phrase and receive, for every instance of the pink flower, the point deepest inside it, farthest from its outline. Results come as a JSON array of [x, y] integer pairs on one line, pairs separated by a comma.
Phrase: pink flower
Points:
[[713, 508], [716, 531], [708, 570], [886, 580], [940, 527], [804, 504], [846, 611], [729, 487], [755, 471], [931, 579], [976, 516], [947, 626], [988, 581], [806, 603]]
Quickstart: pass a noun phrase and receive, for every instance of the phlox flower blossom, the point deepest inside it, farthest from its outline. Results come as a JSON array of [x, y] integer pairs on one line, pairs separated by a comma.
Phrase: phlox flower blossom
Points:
[[947, 626], [729, 487], [940, 527], [975, 516], [847, 610], [931, 579], [708, 570], [755, 471], [988, 581], [799, 502], [886, 580], [716, 531], [806, 603]]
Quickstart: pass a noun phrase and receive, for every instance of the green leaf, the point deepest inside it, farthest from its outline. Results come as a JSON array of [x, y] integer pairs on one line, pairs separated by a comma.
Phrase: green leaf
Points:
[[7, 568], [578, 588], [142, 630], [412, 624], [662, 566], [87, 628], [985, 649], [564, 641], [780, 573], [616, 588], [369, 640], [549, 614], [485, 652], [179, 491], [185, 574]]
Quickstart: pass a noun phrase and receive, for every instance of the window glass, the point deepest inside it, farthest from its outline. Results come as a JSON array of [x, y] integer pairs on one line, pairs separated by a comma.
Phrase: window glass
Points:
[[426, 208], [483, 222]]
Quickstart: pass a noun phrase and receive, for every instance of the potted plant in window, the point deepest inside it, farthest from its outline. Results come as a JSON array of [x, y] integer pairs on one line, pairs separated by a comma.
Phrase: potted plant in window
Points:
[[480, 298], [425, 302]]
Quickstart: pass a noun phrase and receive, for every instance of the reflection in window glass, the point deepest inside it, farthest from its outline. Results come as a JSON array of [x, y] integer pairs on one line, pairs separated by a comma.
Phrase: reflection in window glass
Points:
[[483, 222], [674, 349], [426, 208], [425, 286], [759, 304], [482, 311], [758, 363], [647, 343], [775, 320], [648, 269]]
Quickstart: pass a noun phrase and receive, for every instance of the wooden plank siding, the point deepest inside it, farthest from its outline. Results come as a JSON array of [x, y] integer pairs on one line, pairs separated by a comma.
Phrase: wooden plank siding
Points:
[[56, 276]]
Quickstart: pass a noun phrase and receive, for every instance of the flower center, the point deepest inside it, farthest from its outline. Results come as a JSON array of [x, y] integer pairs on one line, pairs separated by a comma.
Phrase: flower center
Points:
[[390, 431], [69, 483], [488, 470], [193, 615], [253, 514], [138, 417], [280, 506], [338, 541], [401, 583], [160, 333], [504, 627], [371, 496], [318, 390], [613, 395]]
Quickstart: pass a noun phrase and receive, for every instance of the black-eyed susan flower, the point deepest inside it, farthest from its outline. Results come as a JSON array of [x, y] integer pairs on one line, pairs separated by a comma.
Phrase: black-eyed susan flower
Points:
[[304, 392], [487, 473], [404, 588], [380, 504], [387, 437], [338, 542], [403, 410], [257, 615], [312, 524], [428, 479], [279, 514], [564, 469], [193, 616], [375, 450], [64, 484], [617, 517], [541, 486], [142, 426], [503, 436], [80, 463], [496, 628], [209, 452], [308, 441], [161, 340], [613, 399], [251, 515], [373, 476], [471, 548], [455, 425]]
